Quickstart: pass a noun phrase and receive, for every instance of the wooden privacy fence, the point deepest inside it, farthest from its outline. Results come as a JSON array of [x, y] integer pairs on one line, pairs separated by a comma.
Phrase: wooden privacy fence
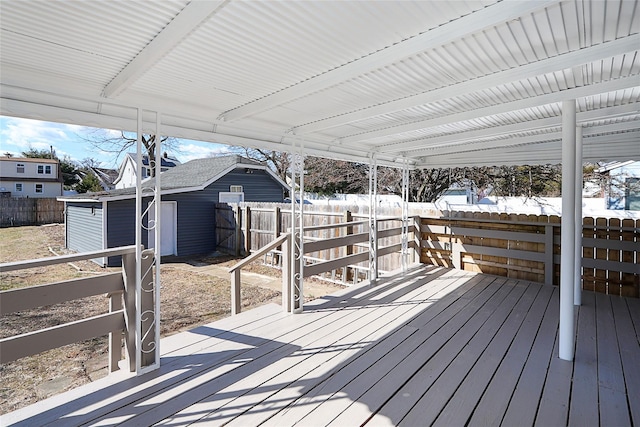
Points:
[[245, 228], [528, 247], [16, 212]]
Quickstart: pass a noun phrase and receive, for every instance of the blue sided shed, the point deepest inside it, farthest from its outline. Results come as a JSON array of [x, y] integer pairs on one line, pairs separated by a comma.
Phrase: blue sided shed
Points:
[[102, 220]]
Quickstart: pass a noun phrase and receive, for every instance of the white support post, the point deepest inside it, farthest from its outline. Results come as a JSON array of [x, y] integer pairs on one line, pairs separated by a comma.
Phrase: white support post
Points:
[[147, 297], [577, 280], [373, 219], [405, 215], [157, 195], [139, 248], [297, 231], [567, 247]]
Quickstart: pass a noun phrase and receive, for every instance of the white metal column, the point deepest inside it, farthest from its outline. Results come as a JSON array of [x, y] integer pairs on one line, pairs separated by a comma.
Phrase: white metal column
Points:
[[147, 301], [405, 215], [297, 231], [373, 219], [577, 280], [567, 246]]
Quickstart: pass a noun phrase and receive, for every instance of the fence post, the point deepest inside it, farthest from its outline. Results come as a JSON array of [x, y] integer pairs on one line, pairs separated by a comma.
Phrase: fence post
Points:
[[115, 337], [276, 233], [247, 230], [237, 213]]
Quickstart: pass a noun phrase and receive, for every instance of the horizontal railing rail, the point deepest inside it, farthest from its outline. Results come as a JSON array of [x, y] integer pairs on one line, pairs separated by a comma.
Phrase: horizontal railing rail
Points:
[[112, 323], [235, 270]]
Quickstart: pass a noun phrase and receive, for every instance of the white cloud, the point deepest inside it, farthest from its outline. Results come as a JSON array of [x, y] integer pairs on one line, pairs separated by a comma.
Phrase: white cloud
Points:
[[190, 150]]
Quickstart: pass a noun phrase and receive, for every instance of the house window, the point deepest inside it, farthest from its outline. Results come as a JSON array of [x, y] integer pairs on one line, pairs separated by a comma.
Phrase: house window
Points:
[[235, 189], [20, 168], [39, 188], [47, 169], [18, 187], [40, 169]]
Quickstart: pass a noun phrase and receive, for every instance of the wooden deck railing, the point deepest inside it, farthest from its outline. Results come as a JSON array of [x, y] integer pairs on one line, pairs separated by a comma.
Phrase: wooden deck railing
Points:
[[528, 247], [114, 323], [351, 247]]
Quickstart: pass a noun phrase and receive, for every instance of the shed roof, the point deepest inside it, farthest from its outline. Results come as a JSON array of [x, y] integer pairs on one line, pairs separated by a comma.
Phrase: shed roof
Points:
[[194, 175], [433, 83]]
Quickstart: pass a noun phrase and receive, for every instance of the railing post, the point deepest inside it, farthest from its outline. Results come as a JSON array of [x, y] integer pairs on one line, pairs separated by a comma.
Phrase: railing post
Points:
[[147, 351], [235, 292], [115, 337], [548, 254], [129, 277], [287, 280], [348, 272]]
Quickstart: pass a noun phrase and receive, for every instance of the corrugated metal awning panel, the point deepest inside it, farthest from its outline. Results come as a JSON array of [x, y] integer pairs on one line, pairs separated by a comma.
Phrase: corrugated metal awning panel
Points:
[[344, 79]]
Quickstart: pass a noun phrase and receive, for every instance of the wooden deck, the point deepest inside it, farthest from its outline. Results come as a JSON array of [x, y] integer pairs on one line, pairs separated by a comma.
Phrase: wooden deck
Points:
[[436, 346]]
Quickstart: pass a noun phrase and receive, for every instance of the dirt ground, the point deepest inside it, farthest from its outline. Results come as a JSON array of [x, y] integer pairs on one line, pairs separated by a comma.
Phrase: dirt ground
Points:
[[187, 300]]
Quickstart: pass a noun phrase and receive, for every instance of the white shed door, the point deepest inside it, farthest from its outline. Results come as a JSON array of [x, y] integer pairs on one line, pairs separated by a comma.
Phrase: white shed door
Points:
[[168, 228]]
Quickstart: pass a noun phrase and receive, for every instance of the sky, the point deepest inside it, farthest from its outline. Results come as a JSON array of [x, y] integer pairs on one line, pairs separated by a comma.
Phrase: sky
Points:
[[18, 135]]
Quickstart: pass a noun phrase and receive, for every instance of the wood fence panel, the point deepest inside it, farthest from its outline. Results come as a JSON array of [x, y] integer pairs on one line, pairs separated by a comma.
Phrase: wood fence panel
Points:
[[15, 212]]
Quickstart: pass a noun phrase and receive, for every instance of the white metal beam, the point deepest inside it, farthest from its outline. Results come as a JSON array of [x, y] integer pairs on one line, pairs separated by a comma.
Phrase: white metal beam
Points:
[[560, 62], [534, 101], [193, 14], [503, 11], [500, 140], [622, 146]]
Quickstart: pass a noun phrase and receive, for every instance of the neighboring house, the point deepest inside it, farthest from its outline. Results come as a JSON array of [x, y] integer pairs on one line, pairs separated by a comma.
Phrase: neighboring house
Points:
[[107, 177], [127, 171], [96, 221], [30, 177], [622, 188]]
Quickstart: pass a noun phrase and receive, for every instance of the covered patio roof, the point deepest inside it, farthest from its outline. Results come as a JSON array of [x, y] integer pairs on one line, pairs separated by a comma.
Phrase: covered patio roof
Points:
[[432, 83]]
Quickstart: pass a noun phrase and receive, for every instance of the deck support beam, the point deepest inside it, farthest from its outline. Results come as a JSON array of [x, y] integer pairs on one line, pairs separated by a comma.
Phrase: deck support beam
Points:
[[567, 249]]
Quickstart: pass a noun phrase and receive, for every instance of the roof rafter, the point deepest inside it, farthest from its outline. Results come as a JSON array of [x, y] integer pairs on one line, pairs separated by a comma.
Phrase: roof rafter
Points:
[[559, 62], [476, 21], [193, 14]]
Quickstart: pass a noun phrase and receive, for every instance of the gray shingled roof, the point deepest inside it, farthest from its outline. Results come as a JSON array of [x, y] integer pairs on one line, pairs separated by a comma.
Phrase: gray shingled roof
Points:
[[195, 173]]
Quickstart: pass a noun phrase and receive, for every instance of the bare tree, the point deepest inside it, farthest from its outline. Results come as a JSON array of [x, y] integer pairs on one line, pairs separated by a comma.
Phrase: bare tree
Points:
[[278, 161], [124, 142]]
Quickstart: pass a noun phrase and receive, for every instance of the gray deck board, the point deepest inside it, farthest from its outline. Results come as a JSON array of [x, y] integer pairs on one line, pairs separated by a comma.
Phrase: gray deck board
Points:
[[611, 387], [432, 347], [553, 408], [496, 396], [434, 400], [584, 409], [629, 351]]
